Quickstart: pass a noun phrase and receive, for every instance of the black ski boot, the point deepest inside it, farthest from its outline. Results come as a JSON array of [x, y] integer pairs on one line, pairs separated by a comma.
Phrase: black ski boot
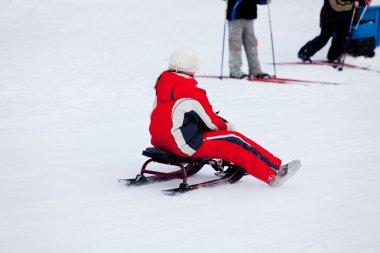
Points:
[[303, 56], [260, 75], [238, 75], [236, 173]]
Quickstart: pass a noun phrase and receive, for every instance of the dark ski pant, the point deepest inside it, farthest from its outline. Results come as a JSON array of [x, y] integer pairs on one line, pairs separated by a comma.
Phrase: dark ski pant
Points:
[[235, 148], [338, 31]]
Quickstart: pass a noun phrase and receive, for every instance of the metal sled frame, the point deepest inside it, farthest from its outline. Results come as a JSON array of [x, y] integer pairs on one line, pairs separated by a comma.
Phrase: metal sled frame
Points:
[[187, 167], [179, 174]]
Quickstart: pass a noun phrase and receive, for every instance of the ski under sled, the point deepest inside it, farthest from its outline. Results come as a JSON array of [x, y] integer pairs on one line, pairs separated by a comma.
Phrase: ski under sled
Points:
[[272, 79], [226, 172]]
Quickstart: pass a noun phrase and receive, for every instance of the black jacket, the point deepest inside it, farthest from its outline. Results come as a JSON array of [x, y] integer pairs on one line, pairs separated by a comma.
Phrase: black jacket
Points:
[[337, 11], [246, 9]]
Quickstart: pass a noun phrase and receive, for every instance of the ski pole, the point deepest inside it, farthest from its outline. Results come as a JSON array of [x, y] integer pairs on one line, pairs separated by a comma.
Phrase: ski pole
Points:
[[351, 31], [271, 39], [347, 40], [224, 38], [361, 17]]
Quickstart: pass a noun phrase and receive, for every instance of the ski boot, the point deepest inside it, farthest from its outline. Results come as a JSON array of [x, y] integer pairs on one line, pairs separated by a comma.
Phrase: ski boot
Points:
[[235, 173], [260, 75], [285, 172], [303, 56], [238, 75]]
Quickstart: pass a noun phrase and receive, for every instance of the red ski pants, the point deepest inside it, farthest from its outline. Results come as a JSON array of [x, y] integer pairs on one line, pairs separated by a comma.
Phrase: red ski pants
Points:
[[237, 149]]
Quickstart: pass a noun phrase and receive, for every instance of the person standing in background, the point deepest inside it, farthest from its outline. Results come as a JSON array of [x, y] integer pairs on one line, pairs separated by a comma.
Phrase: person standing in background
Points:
[[240, 16], [335, 22]]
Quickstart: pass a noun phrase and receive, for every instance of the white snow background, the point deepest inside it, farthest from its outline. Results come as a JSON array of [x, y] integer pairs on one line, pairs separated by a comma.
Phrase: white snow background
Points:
[[76, 91]]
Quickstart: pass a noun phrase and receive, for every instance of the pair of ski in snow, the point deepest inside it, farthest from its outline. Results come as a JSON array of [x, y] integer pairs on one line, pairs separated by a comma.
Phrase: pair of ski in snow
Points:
[[273, 79], [279, 80], [336, 65]]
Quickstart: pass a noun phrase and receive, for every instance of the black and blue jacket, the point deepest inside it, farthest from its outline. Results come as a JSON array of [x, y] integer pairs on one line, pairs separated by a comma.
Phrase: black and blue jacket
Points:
[[241, 9]]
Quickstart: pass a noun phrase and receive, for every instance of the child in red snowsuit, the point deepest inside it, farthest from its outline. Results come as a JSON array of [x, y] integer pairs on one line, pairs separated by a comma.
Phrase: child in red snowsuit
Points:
[[183, 122]]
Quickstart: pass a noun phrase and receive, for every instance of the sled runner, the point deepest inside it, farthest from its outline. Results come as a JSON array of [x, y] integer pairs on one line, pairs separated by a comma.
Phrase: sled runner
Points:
[[226, 172]]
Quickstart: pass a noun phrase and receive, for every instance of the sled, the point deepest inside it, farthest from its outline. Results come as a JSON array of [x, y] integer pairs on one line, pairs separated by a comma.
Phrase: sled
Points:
[[186, 167]]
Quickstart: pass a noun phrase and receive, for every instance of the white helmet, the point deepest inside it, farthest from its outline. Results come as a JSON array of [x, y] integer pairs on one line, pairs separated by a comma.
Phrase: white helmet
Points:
[[184, 60]]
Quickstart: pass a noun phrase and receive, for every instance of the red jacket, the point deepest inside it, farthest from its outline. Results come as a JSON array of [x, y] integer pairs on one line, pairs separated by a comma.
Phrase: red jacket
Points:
[[181, 115]]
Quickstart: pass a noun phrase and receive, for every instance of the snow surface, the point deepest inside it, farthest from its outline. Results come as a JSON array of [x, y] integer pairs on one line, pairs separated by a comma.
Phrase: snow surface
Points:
[[76, 90]]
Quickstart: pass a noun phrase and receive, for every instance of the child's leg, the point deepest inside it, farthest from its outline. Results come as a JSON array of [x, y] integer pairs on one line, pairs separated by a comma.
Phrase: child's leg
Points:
[[238, 149]]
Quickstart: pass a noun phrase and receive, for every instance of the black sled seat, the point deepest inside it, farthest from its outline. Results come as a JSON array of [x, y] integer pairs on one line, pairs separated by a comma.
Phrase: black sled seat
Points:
[[188, 166], [166, 157]]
